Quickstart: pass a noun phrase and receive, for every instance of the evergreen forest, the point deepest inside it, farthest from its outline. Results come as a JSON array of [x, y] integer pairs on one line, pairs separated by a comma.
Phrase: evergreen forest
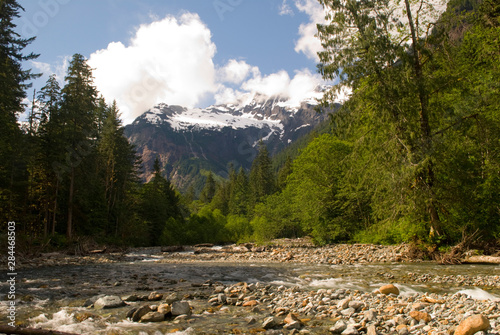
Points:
[[413, 155]]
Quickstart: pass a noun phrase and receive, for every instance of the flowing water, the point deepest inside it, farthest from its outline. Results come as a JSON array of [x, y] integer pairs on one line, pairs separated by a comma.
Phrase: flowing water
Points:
[[52, 297]]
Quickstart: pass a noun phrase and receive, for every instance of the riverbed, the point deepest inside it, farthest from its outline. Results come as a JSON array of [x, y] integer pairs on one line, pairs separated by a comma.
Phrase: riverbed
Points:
[[53, 297]]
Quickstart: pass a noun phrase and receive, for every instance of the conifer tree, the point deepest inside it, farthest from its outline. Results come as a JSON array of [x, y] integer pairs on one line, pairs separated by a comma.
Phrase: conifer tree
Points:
[[159, 204], [208, 191], [118, 159], [240, 198], [78, 108], [284, 172], [51, 148], [12, 91], [262, 179]]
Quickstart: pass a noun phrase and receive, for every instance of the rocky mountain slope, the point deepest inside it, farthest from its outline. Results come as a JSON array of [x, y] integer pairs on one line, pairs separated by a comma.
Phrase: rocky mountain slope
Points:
[[191, 142]]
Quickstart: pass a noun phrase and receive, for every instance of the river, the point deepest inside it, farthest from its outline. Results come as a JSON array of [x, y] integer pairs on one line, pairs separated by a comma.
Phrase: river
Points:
[[51, 297]]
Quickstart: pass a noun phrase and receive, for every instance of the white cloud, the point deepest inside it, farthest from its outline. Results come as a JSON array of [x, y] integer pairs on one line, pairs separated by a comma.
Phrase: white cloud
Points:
[[285, 9], [170, 61], [308, 43], [235, 71], [271, 85], [301, 87]]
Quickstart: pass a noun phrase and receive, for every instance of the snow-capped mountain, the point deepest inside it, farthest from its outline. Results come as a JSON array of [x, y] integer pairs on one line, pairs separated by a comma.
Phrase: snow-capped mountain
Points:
[[188, 141]]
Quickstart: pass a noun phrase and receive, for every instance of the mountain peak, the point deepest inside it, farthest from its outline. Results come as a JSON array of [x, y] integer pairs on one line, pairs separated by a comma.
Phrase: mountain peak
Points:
[[258, 111]]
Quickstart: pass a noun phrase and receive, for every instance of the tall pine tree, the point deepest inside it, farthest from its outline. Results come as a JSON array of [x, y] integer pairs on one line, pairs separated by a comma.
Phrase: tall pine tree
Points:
[[13, 80], [262, 179], [78, 111]]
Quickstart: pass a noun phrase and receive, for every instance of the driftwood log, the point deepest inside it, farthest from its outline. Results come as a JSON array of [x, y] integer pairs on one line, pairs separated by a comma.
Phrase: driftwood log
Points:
[[30, 331], [481, 260]]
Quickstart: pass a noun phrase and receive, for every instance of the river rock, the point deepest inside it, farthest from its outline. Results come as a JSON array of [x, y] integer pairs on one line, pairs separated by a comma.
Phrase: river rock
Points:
[[153, 317], [270, 323], [402, 330], [370, 315], [472, 324], [250, 303], [171, 298], [109, 301], [181, 308], [165, 308], [130, 298], [357, 305], [419, 316], [140, 312], [388, 289], [371, 330], [89, 302], [250, 320], [291, 318], [293, 325], [350, 330], [343, 304], [339, 327], [155, 296]]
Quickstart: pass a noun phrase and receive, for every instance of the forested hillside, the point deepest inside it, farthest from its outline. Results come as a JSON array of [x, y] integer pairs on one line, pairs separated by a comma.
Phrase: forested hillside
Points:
[[414, 154]]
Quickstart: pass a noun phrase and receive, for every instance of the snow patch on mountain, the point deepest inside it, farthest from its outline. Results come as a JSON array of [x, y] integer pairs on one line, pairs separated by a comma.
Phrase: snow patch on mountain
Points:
[[219, 117]]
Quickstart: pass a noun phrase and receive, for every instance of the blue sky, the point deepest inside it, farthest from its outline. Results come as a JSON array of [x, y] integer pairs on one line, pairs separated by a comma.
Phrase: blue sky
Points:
[[191, 52]]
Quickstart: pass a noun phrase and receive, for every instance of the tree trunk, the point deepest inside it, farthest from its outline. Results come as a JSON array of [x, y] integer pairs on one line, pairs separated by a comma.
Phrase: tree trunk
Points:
[[54, 214], [69, 229], [425, 129]]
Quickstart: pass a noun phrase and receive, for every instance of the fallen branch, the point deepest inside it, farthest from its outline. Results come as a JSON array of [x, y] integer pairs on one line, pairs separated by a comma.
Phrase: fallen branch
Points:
[[457, 253], [30, 331], [481, 260]]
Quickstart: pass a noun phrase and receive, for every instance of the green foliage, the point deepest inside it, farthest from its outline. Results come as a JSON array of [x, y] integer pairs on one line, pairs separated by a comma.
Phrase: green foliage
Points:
[[423, 120], [315, 186], [275, 218], [238, 228], [159, 204], [206, 226]]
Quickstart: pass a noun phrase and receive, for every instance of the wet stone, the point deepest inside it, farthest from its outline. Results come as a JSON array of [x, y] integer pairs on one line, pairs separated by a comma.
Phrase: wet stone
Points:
[[140, 312], [153, 317], [269, 323], [110, 301], [155, 296], [180, 308]]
